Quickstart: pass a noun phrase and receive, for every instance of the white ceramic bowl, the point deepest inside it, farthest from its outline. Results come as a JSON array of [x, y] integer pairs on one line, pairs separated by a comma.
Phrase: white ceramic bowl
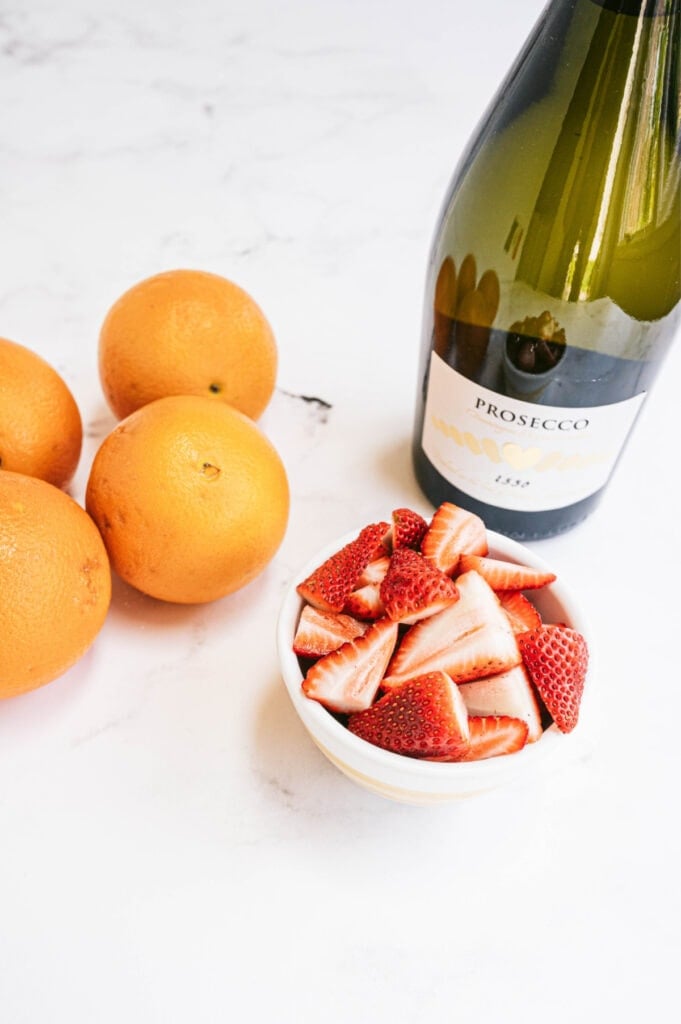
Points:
[[407, 779]]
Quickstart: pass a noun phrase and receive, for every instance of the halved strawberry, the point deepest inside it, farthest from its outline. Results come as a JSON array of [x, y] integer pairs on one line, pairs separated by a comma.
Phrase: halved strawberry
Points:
[[470, 639], [347, 679], [502, 575], [319, 633], [494, 736], [414, 589], [521, 612], [506, 693], [453, 531], [327, 588], [557, 658], [365, 603], [425, 717], [408, 529]]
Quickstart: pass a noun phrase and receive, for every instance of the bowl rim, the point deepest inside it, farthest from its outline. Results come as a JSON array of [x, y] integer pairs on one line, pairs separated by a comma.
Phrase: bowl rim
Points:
[[334, 736]]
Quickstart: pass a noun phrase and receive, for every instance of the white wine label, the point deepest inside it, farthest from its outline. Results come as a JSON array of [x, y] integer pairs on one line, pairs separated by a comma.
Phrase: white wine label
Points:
[[516, 454]]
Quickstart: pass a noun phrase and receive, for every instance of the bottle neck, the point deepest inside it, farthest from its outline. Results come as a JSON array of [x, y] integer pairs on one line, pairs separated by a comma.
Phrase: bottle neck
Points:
[[605, 213]]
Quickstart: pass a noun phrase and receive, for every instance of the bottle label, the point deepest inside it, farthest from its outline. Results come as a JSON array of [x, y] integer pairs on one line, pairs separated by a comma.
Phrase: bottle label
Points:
[[516, 454]]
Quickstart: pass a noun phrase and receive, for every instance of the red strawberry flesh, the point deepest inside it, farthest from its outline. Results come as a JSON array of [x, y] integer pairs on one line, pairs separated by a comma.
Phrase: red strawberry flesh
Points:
[[453, 531], [328, 587], [365, 603], [414, 589], [319, 633], [556, 658], [476, 675], [508, 694], [375, 571], [495, 736], [347, 680], [470, 639], [408, 529], [521, 612], [425, 717], [503, 575]]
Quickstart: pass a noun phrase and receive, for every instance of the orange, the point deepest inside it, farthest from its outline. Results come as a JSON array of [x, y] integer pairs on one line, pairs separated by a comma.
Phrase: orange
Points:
[[191, 499], [187, 332], [55, 583], [41, 432]]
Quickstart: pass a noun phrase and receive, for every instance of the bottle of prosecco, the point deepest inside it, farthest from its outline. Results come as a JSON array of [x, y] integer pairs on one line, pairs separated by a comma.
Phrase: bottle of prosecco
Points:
[[553, 288]]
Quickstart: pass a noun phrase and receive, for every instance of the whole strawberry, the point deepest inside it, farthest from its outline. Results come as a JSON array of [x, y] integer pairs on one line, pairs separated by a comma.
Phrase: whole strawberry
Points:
[[557, 658]]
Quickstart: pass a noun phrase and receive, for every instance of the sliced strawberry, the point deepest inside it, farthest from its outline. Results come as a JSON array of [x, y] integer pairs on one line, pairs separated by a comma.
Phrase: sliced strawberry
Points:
[[502, 575], [494, 736], [509, 694], [365, 603], [521, 612], [414, 589], [425, 717], [372, 543], [375, 571], [327, 588], [470, 639], [347, 679], [319, 633], [453, 531], [557, 658], [408, 529]]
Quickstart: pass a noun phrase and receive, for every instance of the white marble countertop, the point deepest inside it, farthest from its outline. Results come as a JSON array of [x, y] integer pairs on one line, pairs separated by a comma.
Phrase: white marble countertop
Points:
[[173, 848]]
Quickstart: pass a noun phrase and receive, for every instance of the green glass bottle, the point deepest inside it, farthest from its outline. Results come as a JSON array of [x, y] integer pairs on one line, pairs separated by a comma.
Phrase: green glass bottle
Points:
[[553, 290]]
